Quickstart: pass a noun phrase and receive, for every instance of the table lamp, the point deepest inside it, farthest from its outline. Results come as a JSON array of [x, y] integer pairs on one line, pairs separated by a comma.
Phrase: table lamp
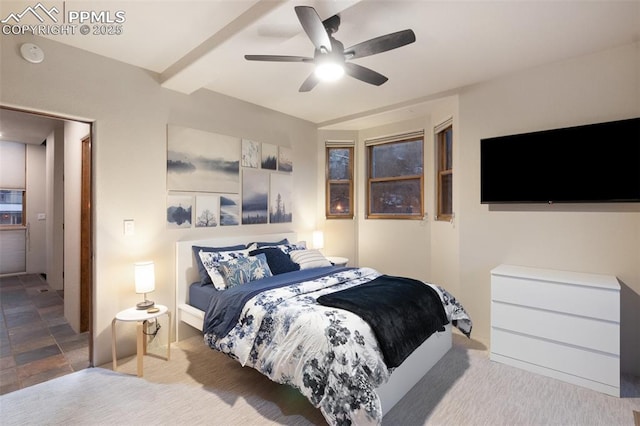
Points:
[[318, 240], [145, 282]]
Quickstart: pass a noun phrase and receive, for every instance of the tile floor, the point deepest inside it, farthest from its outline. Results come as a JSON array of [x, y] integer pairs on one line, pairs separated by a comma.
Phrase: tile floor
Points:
[[36, 342]]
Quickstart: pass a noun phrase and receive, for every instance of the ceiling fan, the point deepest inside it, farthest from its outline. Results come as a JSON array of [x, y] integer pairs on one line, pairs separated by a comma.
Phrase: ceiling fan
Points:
[[330, 57]]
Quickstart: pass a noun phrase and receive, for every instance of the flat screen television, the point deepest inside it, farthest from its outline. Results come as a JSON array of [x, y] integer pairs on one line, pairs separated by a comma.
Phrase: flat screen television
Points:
[[582, 164]]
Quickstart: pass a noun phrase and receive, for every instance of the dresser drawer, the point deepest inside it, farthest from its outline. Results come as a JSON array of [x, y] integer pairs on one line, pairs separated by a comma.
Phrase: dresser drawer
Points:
[[592, 302], [589, 333], [594, 366], [561, 324]]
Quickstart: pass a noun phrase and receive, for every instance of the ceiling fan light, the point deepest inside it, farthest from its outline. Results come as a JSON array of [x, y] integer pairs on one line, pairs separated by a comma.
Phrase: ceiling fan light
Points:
[[329, 71]]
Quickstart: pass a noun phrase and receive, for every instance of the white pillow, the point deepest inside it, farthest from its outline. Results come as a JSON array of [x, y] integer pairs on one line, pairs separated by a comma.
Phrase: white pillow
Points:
[[308, 259]]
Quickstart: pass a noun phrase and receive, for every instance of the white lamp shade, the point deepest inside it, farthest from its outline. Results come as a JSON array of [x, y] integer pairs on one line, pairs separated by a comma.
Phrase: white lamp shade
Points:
[[318, 239], [145, 277]]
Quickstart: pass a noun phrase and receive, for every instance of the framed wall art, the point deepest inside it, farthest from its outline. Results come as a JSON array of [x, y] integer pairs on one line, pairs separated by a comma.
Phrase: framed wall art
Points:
[[199, 161], [179, 208]]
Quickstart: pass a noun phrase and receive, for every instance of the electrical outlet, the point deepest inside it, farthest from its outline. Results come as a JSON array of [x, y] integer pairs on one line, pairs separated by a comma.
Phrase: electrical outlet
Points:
[[129, 227]]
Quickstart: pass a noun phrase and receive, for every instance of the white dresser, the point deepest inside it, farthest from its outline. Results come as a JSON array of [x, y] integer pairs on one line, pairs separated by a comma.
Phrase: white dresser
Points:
[[560, 324]]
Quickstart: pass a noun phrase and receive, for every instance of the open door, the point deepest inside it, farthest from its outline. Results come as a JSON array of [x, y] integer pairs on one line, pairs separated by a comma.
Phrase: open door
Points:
[[86, 242]]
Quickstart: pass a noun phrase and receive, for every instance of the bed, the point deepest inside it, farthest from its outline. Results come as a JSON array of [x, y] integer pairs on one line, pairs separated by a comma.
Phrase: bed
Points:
[[388, 384]]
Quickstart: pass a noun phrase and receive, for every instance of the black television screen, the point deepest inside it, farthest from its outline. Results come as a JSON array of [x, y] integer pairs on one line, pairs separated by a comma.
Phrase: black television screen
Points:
[[592, 163]]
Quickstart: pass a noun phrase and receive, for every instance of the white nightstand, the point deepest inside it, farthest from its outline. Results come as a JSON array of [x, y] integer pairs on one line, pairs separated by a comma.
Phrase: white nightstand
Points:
[[140, 316], [337, 260]]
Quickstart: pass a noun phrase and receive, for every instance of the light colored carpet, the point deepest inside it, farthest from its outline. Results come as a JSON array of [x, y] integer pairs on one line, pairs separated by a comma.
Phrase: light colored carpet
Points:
[[201, 386]]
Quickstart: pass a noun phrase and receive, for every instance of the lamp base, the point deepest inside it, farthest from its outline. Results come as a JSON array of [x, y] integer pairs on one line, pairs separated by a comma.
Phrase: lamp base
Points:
[[144, 305]]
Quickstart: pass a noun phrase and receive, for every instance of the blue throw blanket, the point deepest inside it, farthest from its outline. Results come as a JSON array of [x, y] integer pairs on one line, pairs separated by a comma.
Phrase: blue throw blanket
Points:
[[402, 313]]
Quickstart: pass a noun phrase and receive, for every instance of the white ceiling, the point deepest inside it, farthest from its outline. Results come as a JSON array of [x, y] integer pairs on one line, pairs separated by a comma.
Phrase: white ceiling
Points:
[[21, 127], [196, 45]]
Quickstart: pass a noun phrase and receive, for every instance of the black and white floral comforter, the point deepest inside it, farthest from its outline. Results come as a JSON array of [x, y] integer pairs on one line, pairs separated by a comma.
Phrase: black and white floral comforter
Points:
[[330, 355]]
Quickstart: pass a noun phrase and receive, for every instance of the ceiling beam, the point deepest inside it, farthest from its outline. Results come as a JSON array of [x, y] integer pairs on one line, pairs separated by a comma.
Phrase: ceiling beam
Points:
[[193, 70]]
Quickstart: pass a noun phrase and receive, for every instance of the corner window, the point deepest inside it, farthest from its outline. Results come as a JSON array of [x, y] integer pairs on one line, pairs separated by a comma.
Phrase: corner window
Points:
[[339, 182], [395, 177], [444, 171]]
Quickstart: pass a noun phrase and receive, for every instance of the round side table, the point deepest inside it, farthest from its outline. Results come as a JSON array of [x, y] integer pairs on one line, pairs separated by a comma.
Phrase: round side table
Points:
[[140, 317]]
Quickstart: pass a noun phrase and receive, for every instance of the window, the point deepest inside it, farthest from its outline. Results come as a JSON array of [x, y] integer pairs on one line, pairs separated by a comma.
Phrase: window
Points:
[[11, 207], [339, 172], [444, 170], [395, 177]]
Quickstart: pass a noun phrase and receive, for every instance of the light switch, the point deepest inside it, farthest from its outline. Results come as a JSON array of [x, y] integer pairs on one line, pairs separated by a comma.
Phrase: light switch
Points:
[[129, 227], [42, 216]]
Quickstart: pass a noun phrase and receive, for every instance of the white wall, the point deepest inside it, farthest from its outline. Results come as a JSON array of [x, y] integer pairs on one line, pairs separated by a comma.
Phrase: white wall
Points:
[[36, 204], [55, 208], [594, 238], [74, 132], [131, 112], [12, 176]]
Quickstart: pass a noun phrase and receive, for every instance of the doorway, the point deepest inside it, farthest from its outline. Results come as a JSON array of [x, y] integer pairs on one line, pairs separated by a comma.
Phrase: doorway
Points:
[[68, 265]]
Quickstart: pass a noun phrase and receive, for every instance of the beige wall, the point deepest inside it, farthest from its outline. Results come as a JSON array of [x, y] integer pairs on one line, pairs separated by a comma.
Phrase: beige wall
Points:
[[340, 235], [594, 238], [131, 112], [394, 247], [417, 248]]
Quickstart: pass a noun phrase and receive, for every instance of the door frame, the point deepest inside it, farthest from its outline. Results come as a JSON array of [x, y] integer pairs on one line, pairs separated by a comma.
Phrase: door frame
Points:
[[86, 224]]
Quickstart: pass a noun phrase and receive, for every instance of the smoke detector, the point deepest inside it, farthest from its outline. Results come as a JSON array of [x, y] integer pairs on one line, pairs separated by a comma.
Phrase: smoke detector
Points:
[[32, 53]]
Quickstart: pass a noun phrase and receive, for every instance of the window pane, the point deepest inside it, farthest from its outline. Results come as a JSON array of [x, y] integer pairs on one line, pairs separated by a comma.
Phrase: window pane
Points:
[[339, 164], [397, 159], [396, 198], [339, 199], [10, 207], [448, 141], [446, 195]]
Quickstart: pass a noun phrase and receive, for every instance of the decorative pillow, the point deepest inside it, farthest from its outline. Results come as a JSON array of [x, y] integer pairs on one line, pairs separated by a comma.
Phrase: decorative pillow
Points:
[[212, 260], [244, 269], [288, 248], [279, 262], [277, 243], [308, 259], [204, 275]]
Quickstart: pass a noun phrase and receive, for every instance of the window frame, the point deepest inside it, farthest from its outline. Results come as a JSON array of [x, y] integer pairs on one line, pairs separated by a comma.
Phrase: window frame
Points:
[[443, 152], [370, 146], [328, 182]]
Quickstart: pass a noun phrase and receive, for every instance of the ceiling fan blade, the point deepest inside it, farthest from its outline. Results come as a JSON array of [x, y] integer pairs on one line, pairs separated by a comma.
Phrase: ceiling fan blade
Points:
[[380, 44], [364, 74], [277, 58], [309, 83], [314, 28]]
